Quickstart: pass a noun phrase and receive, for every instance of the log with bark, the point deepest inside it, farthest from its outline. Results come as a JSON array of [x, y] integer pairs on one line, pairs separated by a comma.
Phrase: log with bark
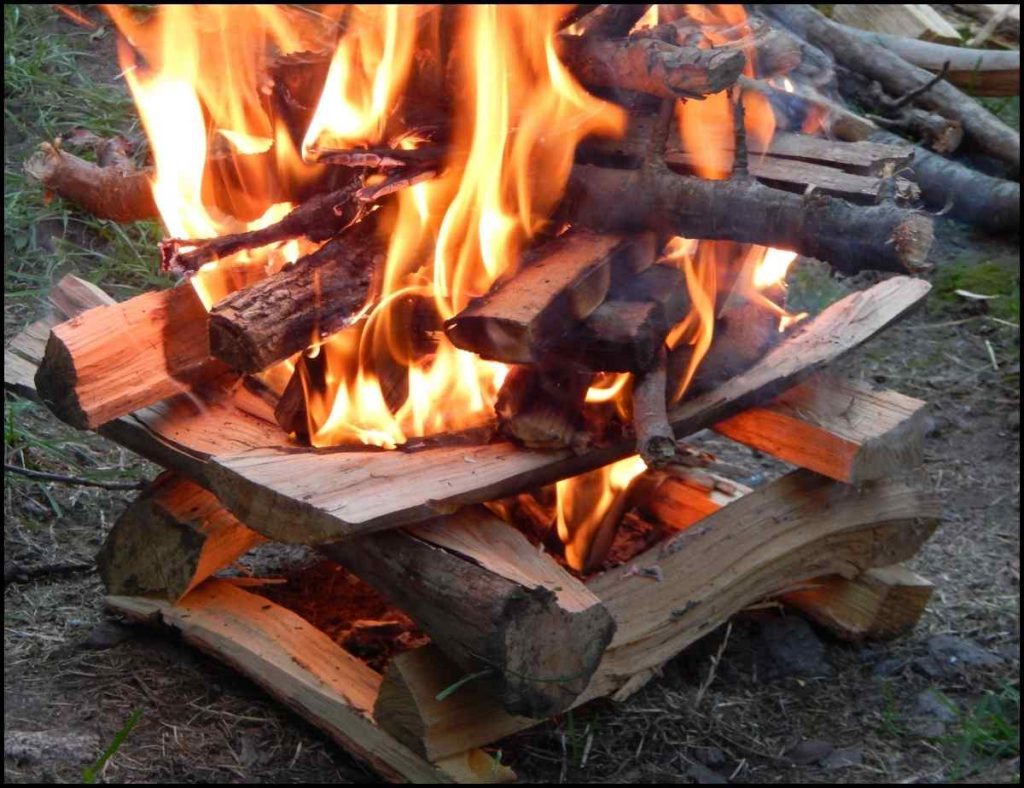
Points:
[[493, 603], [850, 238], [613, 20], [115, 191], [318, 295], [899, 78], [655, 440], [542, 408], [648, 65]]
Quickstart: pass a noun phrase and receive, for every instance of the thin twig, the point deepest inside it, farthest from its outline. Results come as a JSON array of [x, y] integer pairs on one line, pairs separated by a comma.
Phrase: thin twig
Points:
[[741, 161], [62, 479], [920, 91], [713, 669]]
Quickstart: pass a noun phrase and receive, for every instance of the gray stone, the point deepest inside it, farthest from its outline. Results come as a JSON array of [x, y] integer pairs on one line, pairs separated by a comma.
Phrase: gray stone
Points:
[[927, 727], [932, 703], [949, 655], [841, 759], [710, 756], [45, 747], [790, 648], [702, 775], [809, 751], [107, 634]]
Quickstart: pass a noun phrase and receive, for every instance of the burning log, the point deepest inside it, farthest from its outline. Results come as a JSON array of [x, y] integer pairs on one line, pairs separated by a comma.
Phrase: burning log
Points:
[[655, 440], [648, 65], [318, 295], [318, 219], [849, 237], [542, 408], [564, 282], [613, 20], [170, 539], [116, 359], [116, 191], [493, 603], [899, 78]]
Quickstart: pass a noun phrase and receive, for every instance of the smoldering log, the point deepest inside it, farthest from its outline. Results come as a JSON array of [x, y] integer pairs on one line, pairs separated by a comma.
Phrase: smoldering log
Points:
[[318, 218], [320, 294], [650, 66], [613, 20], [542, 408], [115, 191], [655, 440], [849, 237], [561, 284], [899, 77]]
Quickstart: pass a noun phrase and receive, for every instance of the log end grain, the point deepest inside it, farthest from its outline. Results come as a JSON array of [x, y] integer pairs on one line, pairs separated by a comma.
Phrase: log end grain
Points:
[[56, 380]]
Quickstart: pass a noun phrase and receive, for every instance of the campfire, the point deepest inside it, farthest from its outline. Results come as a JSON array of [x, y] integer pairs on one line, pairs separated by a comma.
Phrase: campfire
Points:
[[456, 282]]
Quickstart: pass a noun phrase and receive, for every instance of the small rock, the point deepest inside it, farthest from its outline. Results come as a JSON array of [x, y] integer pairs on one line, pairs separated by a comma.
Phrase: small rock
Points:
[[927, 728], [47, 747], [889, 667], [711, 757], [948, 654], [809, 751], [106, 634], [789, 647], [702, 775], [932, 703], [841, 759]]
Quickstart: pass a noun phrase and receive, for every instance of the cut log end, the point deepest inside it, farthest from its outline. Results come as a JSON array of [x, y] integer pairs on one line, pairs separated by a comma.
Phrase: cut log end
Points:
[[56, 380], [913, 239]]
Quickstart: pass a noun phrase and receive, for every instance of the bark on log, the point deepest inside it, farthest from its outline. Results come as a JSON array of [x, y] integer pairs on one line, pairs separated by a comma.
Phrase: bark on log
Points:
[[542, 408], [493, 603], [320, 294], [318, 218], [613, 20], [650, 66], [851, 238], [620, 336], [655, 440], [170, 539], [979, 72], [898, 77], [562, 284], [113, 192]]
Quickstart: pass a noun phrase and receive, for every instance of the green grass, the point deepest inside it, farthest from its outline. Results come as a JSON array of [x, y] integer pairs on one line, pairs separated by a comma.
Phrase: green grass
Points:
[[985, 277], [987, 733], [812, 286], [58, 77]]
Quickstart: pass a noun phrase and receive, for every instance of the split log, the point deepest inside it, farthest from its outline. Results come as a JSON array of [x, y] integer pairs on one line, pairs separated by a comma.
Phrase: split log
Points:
[[912, 20], [492, 602], [842, 429], [648, 65], [849, 237], [880, 603], [115, 192], [899, 78], [307, 671], [170, 539], [542, 408], [794, 529], [247, 463], [318, 295], [318, 219], [655, 440], [116, 359], [979, 72], [563, 283]]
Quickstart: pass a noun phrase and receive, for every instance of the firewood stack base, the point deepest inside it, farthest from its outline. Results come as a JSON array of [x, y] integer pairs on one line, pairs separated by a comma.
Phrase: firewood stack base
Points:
[[827, 539]]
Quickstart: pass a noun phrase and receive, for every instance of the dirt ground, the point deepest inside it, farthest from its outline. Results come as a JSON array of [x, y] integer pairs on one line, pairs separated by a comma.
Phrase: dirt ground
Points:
[[941, 704]]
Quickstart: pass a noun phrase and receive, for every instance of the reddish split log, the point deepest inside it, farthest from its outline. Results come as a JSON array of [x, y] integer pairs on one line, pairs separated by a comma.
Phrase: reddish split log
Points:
[[542, 408], [318, 218], [562, 284], [899, 78], [492, 602], [318, 295], [650, 66], [849, 237], [308, 672], [116, 359], [115, 192], [170, 539]]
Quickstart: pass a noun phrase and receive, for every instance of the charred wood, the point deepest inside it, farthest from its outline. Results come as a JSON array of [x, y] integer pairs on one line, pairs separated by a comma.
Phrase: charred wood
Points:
[[542, 408], [655, 439]]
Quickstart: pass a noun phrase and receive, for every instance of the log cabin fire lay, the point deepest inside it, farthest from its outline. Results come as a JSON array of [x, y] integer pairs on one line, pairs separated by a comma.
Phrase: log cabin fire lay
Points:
[[457, 282]]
